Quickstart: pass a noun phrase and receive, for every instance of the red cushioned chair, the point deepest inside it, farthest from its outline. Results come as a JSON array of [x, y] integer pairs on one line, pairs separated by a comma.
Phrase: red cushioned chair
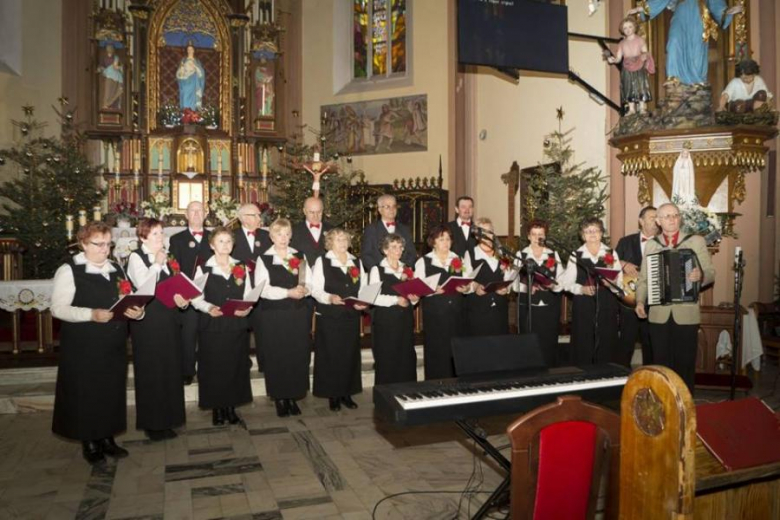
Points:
[[561, 454]]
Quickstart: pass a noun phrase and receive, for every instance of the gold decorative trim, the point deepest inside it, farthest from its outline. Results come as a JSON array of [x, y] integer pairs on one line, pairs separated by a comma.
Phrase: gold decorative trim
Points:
[[218, 12]]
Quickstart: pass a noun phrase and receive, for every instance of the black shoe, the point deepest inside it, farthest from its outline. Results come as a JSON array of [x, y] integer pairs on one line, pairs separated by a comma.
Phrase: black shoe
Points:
[[112, 449], [349, 403], [293, 407], [161, 435], [188, 380], [281, 408], [92, 452], [334, 404], [218, 416], [231, 416]]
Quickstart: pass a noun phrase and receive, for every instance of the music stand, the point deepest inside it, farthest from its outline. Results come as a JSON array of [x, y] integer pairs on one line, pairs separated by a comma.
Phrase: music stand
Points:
[[491, 354]]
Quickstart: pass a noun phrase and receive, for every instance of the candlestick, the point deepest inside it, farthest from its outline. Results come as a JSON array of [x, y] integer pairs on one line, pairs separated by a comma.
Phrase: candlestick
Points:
[[69, 226], [82, 217], [135, 178], [117, 161], [96, 216]]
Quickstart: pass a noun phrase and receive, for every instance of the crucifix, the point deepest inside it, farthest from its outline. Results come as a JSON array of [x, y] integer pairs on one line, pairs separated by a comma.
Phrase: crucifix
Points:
[[190, 149]]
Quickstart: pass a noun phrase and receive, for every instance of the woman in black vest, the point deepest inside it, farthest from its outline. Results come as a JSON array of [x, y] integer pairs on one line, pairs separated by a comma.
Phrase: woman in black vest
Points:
[[157, 364], [223, 341], [337, 275], [392, 319], [591, 296], [442, 313], [487, 313], [90, 404], [285, 320], [545, 292]]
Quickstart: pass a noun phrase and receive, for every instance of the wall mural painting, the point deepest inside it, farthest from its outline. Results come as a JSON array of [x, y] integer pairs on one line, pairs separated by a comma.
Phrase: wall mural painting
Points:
[[380, 126]]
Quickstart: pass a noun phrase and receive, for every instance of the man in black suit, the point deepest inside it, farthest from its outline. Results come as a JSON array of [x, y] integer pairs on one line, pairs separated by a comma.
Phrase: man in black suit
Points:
[[308, 236], [251, 241], [630, 250], [460, 228], [374, 233], [190, 248]]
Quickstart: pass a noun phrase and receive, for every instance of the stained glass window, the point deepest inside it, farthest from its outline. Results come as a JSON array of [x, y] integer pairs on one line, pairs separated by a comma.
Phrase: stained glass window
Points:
[[379, 28]]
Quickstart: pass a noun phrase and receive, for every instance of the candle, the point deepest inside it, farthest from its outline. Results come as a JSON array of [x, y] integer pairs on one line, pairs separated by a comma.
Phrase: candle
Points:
[[135, 178], [82, 217], [117, 161], [96, 216], [137, 162], [69, 226], [265, 166]]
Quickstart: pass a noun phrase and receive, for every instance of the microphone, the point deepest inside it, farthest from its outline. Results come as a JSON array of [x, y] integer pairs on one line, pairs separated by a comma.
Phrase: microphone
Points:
[[543, 241]]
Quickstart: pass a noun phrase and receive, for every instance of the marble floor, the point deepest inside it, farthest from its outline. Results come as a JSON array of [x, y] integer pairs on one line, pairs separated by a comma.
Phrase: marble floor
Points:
[[320, 465]]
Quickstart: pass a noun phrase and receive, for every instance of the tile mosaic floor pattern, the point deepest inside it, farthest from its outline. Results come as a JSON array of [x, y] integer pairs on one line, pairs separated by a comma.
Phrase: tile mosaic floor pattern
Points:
[[320, 465]]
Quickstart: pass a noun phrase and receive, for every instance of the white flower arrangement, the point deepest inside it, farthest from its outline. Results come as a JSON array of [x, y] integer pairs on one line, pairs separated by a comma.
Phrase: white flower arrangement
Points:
[[223, 206], [157, 206]]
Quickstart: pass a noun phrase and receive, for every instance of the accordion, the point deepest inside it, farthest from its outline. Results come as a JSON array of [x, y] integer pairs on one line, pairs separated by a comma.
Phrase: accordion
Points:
[[667, 277]]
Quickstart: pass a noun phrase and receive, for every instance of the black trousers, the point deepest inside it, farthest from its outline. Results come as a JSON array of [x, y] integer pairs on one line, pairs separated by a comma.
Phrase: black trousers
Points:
[[631, 330], [675, 346], [189, 340]]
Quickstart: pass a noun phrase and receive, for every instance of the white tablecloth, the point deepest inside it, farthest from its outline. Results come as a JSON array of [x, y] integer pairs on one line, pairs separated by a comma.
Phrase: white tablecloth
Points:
[[26, 295]]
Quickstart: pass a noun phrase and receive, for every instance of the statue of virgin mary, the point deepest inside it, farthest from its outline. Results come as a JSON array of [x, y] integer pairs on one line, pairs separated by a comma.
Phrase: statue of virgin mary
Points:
[[191, 77]]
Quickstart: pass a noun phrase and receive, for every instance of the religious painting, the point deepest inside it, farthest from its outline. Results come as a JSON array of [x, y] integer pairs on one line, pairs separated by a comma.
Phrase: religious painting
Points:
[[264, 88], [111, 85], [380, 126]]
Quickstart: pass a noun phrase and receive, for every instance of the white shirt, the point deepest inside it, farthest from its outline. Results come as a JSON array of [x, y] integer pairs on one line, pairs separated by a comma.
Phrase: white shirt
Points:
[[200, 302], [737, 89], [389, 228], [271, 292], [521, 287], [65, 290], [315, 232], [250, 238], [643, 243], [419, 267], [385, 300], [569, 278], [318, 275], [466, 228], [197, 238], [137, 271]]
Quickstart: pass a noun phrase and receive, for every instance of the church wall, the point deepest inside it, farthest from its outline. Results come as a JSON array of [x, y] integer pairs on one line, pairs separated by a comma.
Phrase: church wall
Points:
[[325, 28], [517, 116], [40, 81]]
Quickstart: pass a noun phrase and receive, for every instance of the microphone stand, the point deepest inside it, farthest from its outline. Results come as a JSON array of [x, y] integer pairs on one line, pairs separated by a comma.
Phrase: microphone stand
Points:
[[739, 266], [599, 279]]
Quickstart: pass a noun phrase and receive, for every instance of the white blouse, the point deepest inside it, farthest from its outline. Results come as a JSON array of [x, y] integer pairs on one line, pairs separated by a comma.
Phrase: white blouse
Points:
[[65, 290], [138, 272], [569, 278], [385, 300], [520, 286], [318, 275], [199, 302], [271, 292]]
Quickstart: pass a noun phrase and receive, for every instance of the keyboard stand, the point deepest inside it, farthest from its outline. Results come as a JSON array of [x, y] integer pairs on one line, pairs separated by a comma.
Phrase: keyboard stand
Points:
[[496, 498]]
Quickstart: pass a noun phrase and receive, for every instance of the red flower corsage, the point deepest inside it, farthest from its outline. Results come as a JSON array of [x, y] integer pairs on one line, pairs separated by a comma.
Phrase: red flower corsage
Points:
[[456, 265], [124, 287], [609, 259], [239, 273], [293, 264], [504, 264], [173, 264], [407, 273], [354, 273], [550, 262]]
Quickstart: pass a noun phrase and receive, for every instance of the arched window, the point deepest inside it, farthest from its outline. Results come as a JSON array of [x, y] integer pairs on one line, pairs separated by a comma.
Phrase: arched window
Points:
[[379, 42]]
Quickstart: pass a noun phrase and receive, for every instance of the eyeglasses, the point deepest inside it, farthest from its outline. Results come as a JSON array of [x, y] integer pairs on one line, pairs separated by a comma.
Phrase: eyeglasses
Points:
[[100, 245], [674, 216], [591, 231], [387, 207]]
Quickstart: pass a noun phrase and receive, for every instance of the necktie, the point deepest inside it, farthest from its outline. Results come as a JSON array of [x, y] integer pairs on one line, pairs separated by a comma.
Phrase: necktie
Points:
[[197, 233], [388, 224], [645, 239], [465, 223], [313, 226], [250, 233]]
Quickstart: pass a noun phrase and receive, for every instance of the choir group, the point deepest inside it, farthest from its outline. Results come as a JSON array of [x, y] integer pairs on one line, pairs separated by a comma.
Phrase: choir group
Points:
[[307, 274]]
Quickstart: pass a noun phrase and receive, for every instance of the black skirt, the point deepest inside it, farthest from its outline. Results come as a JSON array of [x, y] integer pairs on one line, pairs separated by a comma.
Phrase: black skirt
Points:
[[157, 368], [487, 315], [582, 328], [545, 323], [223, 362], [392, 333], [442, 321], [337, 354], [286, 345], [91, 395]]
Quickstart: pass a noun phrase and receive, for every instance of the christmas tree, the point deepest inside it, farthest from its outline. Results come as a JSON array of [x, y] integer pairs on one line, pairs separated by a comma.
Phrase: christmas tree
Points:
[[562, 193], [47, 179], [292, 185]]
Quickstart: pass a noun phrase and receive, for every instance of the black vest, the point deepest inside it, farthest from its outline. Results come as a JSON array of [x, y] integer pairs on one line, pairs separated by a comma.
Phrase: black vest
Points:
[[145, 259], [431, 269], [93, 291], [340, 283], [582, 275], [279, 276], [546, 297]]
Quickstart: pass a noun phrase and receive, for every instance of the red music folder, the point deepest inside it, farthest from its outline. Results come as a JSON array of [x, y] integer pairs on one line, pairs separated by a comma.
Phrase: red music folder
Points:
[[179, 284], [609, 274], [740, 434], [453, 282], [495, 286], [417, 286], [139, 298], [230, 307]]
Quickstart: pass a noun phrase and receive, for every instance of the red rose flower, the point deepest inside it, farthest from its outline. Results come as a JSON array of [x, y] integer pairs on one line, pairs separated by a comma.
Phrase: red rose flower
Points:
[[294, 264], [408, 273], [609, 259], [550, 263], [174, 265], [239, 273], [354, 273], [125, 287], [456, 266], [504, 264]]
